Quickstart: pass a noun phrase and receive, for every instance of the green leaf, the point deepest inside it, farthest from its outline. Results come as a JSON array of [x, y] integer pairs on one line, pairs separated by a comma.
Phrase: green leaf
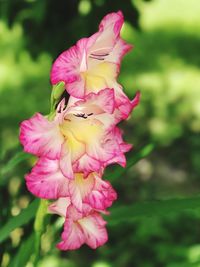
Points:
[[24, 217], [19, 157], [24, 253], [152, 209], [113, 173]]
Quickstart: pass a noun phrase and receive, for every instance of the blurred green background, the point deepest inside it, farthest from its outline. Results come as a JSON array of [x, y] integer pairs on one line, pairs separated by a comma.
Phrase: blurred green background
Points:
[[164, 66]]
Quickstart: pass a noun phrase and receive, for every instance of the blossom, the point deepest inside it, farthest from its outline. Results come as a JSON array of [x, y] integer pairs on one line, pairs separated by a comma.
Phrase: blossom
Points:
[[94, 62], [80, 136], [47, 181], [80, 227]]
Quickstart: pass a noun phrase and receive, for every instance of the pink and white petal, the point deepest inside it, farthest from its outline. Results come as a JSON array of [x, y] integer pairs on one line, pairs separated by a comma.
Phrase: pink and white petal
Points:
[[82, 50], [119, 51], [100, 200], [87, 165], [112, 21], [100, 102], [69, 66], [99, 106], [94, 230], [41, 137], [72, 236], [60, 206], [98, 152], [124, 105], [122, 147], [119, 159], [74, 214], [108, 120], [115, 147], [79, 188], [109, 149], [102, 196], [109, 30], [136, 100], [66, 67], [46, 180], [104, 99], [65, 162], [96, 200], [77, 87]]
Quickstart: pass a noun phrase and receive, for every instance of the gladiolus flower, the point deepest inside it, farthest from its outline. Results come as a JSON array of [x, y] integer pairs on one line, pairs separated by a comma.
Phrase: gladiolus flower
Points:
[[94, 62], [79, 133], [80, 137], [47, 181], [80, 227]]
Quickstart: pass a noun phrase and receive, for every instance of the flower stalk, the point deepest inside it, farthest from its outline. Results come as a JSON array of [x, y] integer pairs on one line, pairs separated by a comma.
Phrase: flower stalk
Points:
[[39, 227]]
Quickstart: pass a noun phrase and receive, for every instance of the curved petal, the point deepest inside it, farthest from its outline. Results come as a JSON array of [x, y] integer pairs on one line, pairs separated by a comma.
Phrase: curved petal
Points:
[[109, 30], [105, 149], [60, 206], [70, 64], [65, 68], [79, 188], [103, 101], [102, 195], [86, 165], [95, 107], [72, 236], [46, 180], [93, 227], [80, 227], [86, 66], [109, 46], [65, 162], [41, 137], [120, 49], [115, 145], [114, 21]]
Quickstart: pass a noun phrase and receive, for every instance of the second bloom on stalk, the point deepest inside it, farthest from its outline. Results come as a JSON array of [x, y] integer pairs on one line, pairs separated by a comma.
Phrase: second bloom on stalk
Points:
[[47, 181], [93, 63], [82, 137]]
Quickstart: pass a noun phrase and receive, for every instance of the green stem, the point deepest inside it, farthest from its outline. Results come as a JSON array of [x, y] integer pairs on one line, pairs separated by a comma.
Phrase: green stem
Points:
[[39, 227]]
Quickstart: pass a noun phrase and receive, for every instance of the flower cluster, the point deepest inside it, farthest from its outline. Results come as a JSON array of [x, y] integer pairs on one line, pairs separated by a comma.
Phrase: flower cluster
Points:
[[80, 137]]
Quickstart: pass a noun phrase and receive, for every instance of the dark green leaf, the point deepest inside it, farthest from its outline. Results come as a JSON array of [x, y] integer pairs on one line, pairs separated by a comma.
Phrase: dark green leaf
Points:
[[19, 157], [152, 209], [24, 253], [24, 217]]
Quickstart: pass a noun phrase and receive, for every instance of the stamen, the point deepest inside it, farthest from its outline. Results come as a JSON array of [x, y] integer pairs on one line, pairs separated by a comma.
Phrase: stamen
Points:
[[96, 58], [67, 119], [99, 55], [80, 115]]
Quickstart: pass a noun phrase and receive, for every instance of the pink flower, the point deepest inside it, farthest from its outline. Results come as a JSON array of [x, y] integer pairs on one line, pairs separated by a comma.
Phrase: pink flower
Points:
[[47, 181], [78, 139], [80, 227], [81, 136], [94, 62]]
